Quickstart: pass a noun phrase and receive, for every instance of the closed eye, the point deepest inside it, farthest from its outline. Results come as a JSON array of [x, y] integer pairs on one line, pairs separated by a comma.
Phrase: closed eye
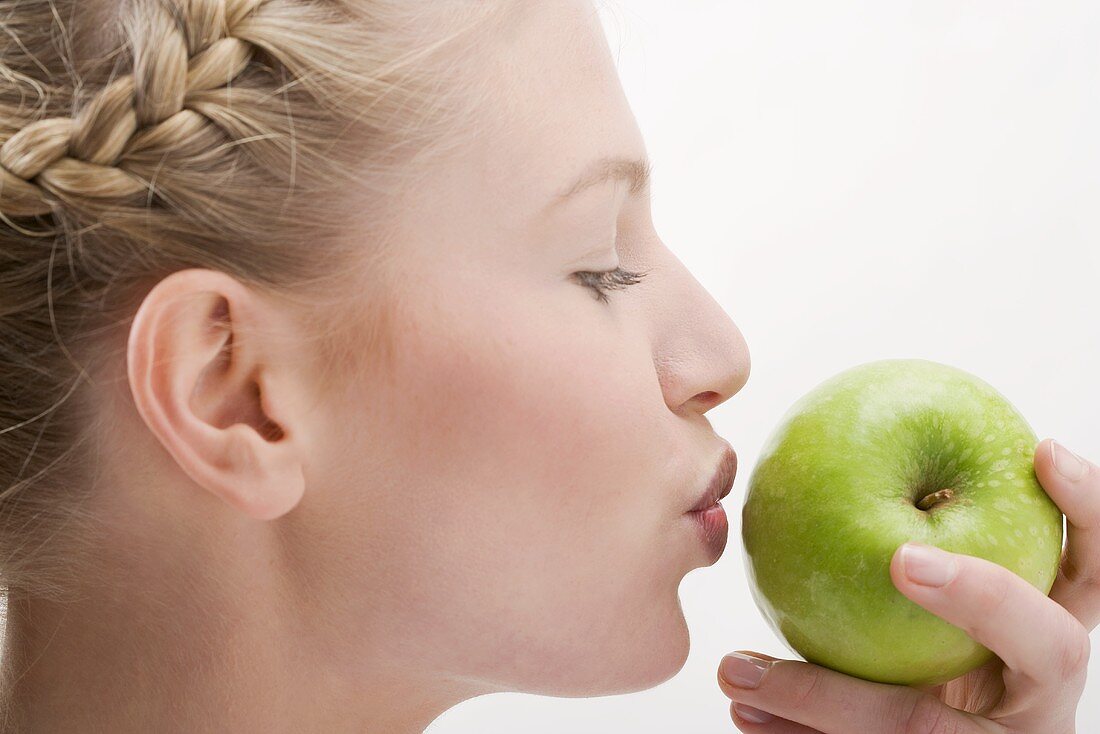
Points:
[[601, 282]]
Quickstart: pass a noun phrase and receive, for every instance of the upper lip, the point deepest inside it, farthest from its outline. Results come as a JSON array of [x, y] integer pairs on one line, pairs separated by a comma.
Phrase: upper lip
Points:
[[722, 481]]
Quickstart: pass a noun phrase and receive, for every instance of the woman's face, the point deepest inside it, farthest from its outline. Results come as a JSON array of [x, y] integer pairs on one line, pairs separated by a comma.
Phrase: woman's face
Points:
[[508, 505]]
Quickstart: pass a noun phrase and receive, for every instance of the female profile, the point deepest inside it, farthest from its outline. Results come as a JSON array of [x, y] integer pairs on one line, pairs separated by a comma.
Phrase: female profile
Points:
[[344, 378]]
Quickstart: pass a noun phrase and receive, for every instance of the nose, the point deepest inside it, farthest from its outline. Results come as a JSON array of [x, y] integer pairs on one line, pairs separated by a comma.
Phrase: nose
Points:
[[701, 357]]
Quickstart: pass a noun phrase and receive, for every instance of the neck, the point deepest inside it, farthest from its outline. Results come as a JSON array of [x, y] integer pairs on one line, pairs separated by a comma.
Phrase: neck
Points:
[[161, 652]]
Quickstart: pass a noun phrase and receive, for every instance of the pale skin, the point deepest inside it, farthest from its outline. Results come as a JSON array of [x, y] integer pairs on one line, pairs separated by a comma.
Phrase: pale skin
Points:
[[504, 511]]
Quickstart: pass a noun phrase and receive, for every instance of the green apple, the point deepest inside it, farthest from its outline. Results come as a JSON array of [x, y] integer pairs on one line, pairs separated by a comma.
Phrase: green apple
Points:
[[883, 453]]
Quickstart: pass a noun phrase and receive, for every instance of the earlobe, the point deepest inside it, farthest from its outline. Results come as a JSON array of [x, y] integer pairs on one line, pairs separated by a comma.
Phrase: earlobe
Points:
[[203, 389]]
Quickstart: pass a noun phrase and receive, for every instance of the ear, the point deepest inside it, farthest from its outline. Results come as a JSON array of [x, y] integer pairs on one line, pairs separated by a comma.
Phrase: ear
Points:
[[207, 380]]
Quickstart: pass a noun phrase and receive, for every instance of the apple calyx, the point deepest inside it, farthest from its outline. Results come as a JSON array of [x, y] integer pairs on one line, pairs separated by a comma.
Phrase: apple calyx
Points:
[[942, 497]]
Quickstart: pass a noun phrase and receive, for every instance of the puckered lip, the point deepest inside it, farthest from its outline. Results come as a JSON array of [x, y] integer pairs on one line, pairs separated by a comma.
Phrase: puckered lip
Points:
[[721, 483]]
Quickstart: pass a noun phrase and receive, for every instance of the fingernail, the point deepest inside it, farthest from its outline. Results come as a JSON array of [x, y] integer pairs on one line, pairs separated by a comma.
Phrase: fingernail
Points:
[[927, 565], [755, 716], [742, 670], [1068, 464]]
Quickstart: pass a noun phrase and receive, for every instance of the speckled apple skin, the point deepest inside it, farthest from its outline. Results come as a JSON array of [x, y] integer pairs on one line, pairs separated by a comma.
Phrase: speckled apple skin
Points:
[[834, 492]]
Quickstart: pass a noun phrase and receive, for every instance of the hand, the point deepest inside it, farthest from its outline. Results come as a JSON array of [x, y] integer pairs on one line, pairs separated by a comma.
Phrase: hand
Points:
[[1042, 644]]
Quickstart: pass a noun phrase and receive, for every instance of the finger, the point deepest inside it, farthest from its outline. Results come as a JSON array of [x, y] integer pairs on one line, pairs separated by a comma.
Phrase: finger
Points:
[[834, 703], [1077, 494], [762, 721], [1045, 649]]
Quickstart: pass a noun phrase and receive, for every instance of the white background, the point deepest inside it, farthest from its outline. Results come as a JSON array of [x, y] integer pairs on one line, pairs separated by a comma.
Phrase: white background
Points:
[[856, 181]]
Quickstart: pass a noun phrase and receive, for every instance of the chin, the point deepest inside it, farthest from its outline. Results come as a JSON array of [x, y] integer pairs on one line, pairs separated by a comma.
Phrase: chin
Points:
[[650, 659], [638, 655], [659, 662]]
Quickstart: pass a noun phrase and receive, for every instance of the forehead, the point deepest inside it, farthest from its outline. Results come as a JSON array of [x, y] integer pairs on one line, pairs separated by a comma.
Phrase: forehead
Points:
[[567, 92], [550, 104], [557, 104]]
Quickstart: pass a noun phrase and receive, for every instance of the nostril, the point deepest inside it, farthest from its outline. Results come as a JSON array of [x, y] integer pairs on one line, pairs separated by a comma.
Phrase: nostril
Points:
[[708, 399]]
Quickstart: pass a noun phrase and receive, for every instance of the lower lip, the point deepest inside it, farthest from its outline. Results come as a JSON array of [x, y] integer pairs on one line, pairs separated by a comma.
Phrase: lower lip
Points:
[[714, 529]]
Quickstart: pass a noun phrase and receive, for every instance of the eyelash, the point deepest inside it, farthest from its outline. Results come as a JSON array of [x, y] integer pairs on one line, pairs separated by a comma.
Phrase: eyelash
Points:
[[601, 282]]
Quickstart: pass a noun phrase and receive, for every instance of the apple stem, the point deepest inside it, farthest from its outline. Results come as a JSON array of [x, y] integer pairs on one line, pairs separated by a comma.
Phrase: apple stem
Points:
[[936, 498]]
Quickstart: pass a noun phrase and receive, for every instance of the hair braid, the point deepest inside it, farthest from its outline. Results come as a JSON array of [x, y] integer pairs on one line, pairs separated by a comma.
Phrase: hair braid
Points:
[[192, 50]]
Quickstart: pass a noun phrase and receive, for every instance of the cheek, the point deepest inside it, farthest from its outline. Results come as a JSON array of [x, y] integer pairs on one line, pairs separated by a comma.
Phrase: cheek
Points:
[[529, 410], [507, 494], [513, 409], [544, 453]]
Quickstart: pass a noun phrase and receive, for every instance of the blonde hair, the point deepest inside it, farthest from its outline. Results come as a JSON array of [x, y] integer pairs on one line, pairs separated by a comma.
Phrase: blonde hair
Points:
[[261, 138]]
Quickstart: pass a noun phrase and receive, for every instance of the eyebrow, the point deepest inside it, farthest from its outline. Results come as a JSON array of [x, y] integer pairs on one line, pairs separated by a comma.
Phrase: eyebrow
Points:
[[635, 171]]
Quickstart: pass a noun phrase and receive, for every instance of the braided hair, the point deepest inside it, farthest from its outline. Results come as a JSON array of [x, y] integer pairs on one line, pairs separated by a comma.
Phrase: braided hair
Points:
[[199, 47], [262, 138]]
